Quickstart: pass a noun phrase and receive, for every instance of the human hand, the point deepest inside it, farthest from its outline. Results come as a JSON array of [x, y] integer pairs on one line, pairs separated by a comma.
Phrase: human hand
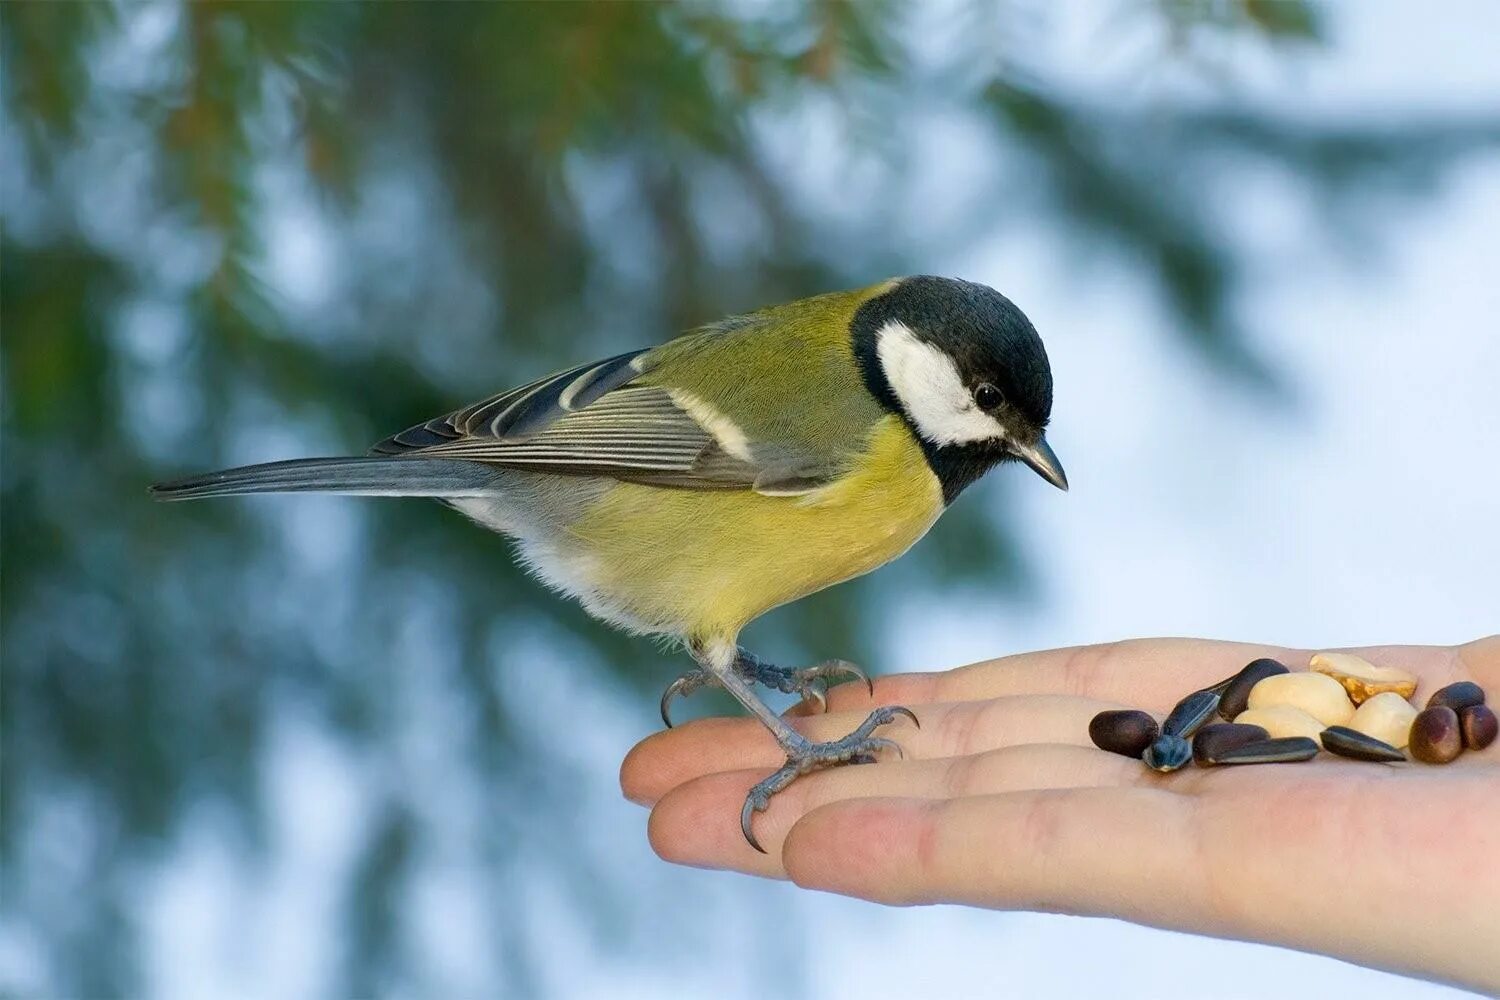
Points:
[[1001, 801]]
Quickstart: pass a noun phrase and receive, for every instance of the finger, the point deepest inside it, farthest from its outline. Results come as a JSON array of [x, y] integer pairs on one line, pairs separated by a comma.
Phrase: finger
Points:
[[816, 705], [664, 760], [1124, 852], [697, 823], [1143, 673]]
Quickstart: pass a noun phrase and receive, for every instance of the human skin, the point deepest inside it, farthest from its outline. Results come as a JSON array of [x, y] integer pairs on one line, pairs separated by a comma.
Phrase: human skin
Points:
[[1002, 802]]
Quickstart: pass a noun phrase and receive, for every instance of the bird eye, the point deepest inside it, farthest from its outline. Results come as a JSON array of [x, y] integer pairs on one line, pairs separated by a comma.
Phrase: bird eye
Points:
[[987, 396]]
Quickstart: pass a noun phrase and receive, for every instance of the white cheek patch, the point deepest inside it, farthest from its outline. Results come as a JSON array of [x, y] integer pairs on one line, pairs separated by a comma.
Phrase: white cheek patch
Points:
[[927, 383]]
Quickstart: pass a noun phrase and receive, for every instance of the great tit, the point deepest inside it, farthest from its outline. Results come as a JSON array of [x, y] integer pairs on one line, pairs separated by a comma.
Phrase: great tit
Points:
[[686, 489]]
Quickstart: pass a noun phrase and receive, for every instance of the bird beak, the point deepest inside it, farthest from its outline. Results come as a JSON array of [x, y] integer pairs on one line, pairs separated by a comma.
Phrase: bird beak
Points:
[[1043, 462]]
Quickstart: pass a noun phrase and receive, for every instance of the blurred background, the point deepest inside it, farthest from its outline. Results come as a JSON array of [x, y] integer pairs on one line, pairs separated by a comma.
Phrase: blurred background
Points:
[[311, 746]]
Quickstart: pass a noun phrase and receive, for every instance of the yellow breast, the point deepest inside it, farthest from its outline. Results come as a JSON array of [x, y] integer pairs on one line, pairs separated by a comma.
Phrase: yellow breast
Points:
[[703, 563]]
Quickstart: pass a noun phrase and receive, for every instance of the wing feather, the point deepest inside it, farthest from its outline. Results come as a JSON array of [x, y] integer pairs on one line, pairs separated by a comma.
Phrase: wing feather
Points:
[[603, 419], [523, 410]]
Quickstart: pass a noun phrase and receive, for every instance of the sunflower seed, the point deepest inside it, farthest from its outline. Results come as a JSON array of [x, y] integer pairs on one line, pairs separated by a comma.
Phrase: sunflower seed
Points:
[[1191, 713], [1214, 739], [1168, 753], [1354, 744], [1236, 690], [1278, 751]]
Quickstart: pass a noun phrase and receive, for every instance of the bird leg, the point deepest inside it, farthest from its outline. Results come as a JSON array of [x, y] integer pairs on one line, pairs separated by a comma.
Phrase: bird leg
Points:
[[802, 755], [808, 683]]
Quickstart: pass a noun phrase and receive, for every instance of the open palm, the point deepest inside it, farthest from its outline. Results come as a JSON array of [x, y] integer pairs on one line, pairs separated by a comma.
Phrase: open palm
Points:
[[1001, 801]]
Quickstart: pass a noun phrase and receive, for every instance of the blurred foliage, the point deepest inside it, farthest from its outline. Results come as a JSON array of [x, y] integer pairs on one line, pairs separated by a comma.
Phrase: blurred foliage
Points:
[[498, 190]]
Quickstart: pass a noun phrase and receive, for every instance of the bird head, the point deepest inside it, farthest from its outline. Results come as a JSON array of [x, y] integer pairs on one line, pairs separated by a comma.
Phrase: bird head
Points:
[[966, 370]]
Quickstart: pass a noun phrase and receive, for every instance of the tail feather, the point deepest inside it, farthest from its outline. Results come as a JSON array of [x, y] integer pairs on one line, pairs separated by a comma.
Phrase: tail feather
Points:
[[378, 476]]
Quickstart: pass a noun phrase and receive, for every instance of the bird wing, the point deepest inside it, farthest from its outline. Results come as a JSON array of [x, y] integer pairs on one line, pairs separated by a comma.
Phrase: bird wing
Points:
[[681, 415]]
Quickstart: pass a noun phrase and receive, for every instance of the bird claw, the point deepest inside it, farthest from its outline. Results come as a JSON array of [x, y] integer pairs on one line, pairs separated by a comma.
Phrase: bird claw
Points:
[[812, 696], [801, 681], [903, 710], [756, 802], [878, 743], [682, 686], [859, 747], [808, 683]]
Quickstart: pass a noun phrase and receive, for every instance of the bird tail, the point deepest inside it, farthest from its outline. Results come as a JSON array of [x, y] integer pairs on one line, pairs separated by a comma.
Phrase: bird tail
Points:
[[372, 476]]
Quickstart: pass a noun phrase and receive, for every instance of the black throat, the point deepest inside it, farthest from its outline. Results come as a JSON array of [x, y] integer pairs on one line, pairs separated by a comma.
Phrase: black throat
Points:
[[958, 466]]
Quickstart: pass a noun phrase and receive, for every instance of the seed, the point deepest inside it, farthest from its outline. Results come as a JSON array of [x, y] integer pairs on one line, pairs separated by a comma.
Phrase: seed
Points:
[[1213, 740], [1168, 753], [1457, 696], [1479, 726], [1352, 743], [1236, 694], [1189, 715], [1284, 750], [1361, 678], [1319, 695], [1387, 717], [1436, 737], [1282, 720], [1127, 732]]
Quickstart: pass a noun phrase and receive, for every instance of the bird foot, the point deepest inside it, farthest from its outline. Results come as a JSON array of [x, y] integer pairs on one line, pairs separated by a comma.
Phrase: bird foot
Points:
[[802, 756], [808, 683]]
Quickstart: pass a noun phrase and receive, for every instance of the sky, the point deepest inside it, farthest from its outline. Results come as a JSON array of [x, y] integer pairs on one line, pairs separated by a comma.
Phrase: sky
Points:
[[1357, 509]]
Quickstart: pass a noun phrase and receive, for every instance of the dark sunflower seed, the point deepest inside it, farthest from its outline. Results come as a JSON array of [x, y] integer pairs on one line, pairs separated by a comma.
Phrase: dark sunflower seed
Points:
[[1168, 753], [1356, 745], [1191, 713], [1220, 736], [1236, 694], [1282, 750]]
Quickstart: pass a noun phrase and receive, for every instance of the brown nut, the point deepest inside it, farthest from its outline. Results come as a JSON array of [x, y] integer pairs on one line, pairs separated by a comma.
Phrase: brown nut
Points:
[[1479, 726], [1127, 732], [1235, 697], [1361, 678], [1457, 696], [1219, 737], [1436, 737]]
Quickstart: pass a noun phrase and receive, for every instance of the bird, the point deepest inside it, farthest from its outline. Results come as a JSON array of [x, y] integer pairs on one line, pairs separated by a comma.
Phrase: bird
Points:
[[684, 490]]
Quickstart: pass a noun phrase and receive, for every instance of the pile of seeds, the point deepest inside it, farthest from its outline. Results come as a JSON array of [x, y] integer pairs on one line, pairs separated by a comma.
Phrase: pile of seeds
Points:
[[1344, 704]]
